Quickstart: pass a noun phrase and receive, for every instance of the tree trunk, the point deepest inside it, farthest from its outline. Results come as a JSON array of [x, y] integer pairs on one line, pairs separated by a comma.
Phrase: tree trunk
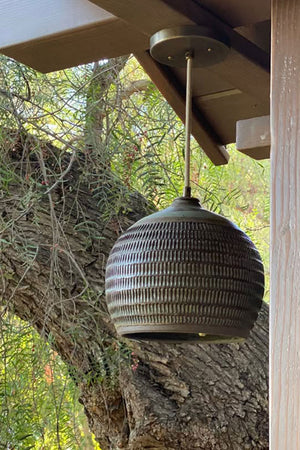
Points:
[[136, 396], [98, 106]]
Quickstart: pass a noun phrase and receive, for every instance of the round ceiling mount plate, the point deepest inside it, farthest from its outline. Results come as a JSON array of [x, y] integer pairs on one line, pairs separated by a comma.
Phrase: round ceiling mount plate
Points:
[[171, 46]]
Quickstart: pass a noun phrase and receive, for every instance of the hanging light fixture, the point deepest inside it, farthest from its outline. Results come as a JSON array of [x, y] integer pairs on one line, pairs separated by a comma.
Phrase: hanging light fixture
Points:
[[185, 274]]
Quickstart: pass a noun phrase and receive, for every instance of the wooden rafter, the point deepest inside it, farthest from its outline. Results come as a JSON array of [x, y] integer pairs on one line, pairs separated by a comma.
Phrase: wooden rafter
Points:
[[246, 70], [56, 34], [62, 33], [253, 137], [174, 94]]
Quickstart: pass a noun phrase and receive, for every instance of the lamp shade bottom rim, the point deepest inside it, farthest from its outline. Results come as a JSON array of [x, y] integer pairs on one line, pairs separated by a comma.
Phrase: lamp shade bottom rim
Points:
[[182, 334]]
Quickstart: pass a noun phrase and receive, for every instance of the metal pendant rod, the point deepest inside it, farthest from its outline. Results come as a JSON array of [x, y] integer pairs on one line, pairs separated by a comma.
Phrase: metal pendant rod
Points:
[[188, 112]]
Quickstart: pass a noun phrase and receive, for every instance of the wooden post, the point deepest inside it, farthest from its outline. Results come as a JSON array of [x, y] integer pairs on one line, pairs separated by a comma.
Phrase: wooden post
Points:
[[285, 227]]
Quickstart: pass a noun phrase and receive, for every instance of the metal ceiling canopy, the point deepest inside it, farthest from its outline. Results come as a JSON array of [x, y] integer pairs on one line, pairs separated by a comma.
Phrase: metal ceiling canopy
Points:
[[170, 46]]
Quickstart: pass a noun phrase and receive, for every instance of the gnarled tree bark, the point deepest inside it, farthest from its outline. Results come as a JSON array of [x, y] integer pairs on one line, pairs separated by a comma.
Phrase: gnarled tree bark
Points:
[[160, 397]]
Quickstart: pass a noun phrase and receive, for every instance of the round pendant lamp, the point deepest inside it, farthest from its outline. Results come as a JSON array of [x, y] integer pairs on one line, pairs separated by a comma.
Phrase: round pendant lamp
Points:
[[185, 274]]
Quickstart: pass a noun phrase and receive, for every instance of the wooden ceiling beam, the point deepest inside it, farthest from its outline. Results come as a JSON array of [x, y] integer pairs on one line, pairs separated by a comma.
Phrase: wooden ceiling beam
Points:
[[62, 33], [55, 34], [146, 16], [79, 46], [151, 16], [202, 16], [239, 13], [174, 93], [27, 20], [253, 137], [248, 66], [246, 69]]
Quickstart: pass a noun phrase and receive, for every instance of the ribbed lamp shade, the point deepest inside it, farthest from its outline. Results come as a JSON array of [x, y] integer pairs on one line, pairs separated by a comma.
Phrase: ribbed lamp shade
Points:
[[184, 274]]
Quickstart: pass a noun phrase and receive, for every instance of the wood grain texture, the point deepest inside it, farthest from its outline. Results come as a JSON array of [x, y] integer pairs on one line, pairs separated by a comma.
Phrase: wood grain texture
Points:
[[285, 227]]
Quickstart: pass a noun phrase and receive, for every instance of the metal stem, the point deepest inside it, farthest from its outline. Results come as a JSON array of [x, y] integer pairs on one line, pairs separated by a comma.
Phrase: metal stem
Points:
[[188, 110]]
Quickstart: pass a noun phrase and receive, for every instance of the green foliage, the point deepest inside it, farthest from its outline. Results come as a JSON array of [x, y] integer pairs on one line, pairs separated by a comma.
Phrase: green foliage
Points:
[[124, 139], [39, 406]]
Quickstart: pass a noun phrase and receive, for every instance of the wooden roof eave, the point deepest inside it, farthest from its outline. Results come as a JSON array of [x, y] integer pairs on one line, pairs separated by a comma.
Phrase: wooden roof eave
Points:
[[56, 34], [247, 70], [114, 28], [148, 17]]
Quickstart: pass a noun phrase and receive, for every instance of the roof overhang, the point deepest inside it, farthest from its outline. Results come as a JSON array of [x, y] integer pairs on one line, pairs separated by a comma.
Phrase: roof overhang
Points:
[[54, 34]]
